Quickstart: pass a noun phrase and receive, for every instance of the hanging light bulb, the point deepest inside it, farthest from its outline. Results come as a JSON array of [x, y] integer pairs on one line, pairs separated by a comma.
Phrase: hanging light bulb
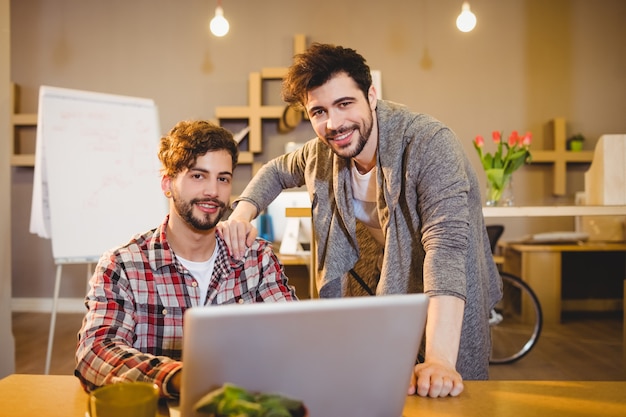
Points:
[[466, 20], [219, 25]]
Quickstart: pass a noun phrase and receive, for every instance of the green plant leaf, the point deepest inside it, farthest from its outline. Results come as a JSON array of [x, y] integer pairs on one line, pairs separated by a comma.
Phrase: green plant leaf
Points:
[[234, 401], [496, 177]]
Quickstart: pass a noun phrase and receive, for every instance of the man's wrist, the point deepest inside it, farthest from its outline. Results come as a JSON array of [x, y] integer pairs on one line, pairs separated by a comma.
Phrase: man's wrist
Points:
[[173, 384]]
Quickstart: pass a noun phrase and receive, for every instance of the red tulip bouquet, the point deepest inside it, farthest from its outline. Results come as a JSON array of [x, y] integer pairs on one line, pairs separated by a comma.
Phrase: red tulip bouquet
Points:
[[500, 165]]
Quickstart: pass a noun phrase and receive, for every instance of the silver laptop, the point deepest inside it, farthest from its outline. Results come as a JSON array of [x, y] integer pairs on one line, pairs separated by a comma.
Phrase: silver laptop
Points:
[[341, 357]]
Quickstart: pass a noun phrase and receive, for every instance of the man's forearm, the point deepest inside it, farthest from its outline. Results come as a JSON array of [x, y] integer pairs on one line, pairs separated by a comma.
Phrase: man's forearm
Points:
[[244, 210], [443, 328]]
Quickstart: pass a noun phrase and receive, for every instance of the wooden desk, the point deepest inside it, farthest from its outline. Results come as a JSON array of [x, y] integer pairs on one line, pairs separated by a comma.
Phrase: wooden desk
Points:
[[62, 396], [554, 211], [517, 211], [297, 260], [539, 265]]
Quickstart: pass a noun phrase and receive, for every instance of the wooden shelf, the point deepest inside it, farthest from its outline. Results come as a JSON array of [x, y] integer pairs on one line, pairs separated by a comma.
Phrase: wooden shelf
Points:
[[568, 247], [24, 119], [23, 160], [19, 120], [298, 212], [560, 156], [528, 211], [293, 260], [245, 158], [569, 156], [276, 73], [554, 211], [255, 111]]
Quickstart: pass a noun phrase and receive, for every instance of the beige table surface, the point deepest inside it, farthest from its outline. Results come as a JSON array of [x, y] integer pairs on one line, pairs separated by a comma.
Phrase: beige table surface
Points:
[[62, 396]]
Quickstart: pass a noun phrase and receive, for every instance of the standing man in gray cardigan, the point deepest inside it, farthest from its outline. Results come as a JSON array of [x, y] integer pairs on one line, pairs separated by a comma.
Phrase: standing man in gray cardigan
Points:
[[396, 208]]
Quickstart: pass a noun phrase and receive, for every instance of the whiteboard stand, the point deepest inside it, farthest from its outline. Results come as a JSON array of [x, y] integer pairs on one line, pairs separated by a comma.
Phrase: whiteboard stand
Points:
[[53, 315], [100, 131]]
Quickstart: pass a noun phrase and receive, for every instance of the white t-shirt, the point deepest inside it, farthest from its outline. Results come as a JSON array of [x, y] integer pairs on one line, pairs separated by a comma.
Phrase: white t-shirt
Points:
[[364, 191], [202, 272]]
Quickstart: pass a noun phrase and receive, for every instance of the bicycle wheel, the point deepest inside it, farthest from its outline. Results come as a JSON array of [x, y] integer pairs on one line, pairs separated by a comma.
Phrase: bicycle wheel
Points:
[[515, 322]]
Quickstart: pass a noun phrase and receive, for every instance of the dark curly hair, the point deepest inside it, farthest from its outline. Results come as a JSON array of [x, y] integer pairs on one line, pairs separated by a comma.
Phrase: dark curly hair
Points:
[[317, 65], [190, 139]]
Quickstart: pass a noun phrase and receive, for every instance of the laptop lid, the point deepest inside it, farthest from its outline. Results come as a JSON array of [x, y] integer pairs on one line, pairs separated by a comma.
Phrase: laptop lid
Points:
[[341, 357]]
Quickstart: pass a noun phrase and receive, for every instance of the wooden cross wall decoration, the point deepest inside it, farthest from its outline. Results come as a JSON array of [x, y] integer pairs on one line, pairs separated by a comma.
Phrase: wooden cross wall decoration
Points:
[[560, 156], [255, 112]]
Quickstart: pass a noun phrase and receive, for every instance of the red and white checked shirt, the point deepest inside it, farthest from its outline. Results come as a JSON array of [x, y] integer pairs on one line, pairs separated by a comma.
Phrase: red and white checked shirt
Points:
[[133, 329]]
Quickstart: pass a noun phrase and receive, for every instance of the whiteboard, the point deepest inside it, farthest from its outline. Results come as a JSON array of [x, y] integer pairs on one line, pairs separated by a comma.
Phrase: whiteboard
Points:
[[97, 180]]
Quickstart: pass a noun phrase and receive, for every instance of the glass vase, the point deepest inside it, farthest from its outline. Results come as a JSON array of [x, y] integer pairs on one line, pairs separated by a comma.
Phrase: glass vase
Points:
[[500, 196]]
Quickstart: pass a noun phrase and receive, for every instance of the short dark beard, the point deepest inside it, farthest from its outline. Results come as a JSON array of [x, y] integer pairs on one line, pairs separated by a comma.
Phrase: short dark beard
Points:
[[185, 211], [363, 138], [360, 145]]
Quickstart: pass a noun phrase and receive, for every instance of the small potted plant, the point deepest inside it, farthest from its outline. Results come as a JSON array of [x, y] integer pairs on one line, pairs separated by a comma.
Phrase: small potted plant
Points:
[[575, 143]]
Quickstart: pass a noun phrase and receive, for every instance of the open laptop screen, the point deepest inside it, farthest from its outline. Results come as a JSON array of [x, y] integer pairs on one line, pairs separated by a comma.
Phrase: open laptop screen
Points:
[[341, 357]]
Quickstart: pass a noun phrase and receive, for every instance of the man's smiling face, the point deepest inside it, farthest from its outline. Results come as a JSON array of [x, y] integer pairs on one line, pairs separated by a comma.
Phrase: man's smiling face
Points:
[[341, 115]]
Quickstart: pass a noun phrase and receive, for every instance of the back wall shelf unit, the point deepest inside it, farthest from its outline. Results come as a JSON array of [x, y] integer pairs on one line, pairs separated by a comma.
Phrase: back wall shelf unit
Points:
[[19, 121], [560, 157], [254, 113]]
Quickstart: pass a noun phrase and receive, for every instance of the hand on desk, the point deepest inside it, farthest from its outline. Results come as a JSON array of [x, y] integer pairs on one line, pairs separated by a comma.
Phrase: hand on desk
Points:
[[437, 376], [435, 379]]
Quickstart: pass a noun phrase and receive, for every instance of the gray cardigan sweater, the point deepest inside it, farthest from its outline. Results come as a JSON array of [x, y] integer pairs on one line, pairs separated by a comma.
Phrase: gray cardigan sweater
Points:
[[430, 210]]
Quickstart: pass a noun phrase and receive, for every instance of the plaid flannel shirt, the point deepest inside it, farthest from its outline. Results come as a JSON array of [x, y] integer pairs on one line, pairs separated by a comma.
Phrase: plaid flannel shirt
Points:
[[133, 329]]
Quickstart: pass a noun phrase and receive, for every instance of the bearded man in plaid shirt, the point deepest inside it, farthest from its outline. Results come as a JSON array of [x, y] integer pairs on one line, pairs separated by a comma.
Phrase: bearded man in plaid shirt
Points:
[[133, 327]]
